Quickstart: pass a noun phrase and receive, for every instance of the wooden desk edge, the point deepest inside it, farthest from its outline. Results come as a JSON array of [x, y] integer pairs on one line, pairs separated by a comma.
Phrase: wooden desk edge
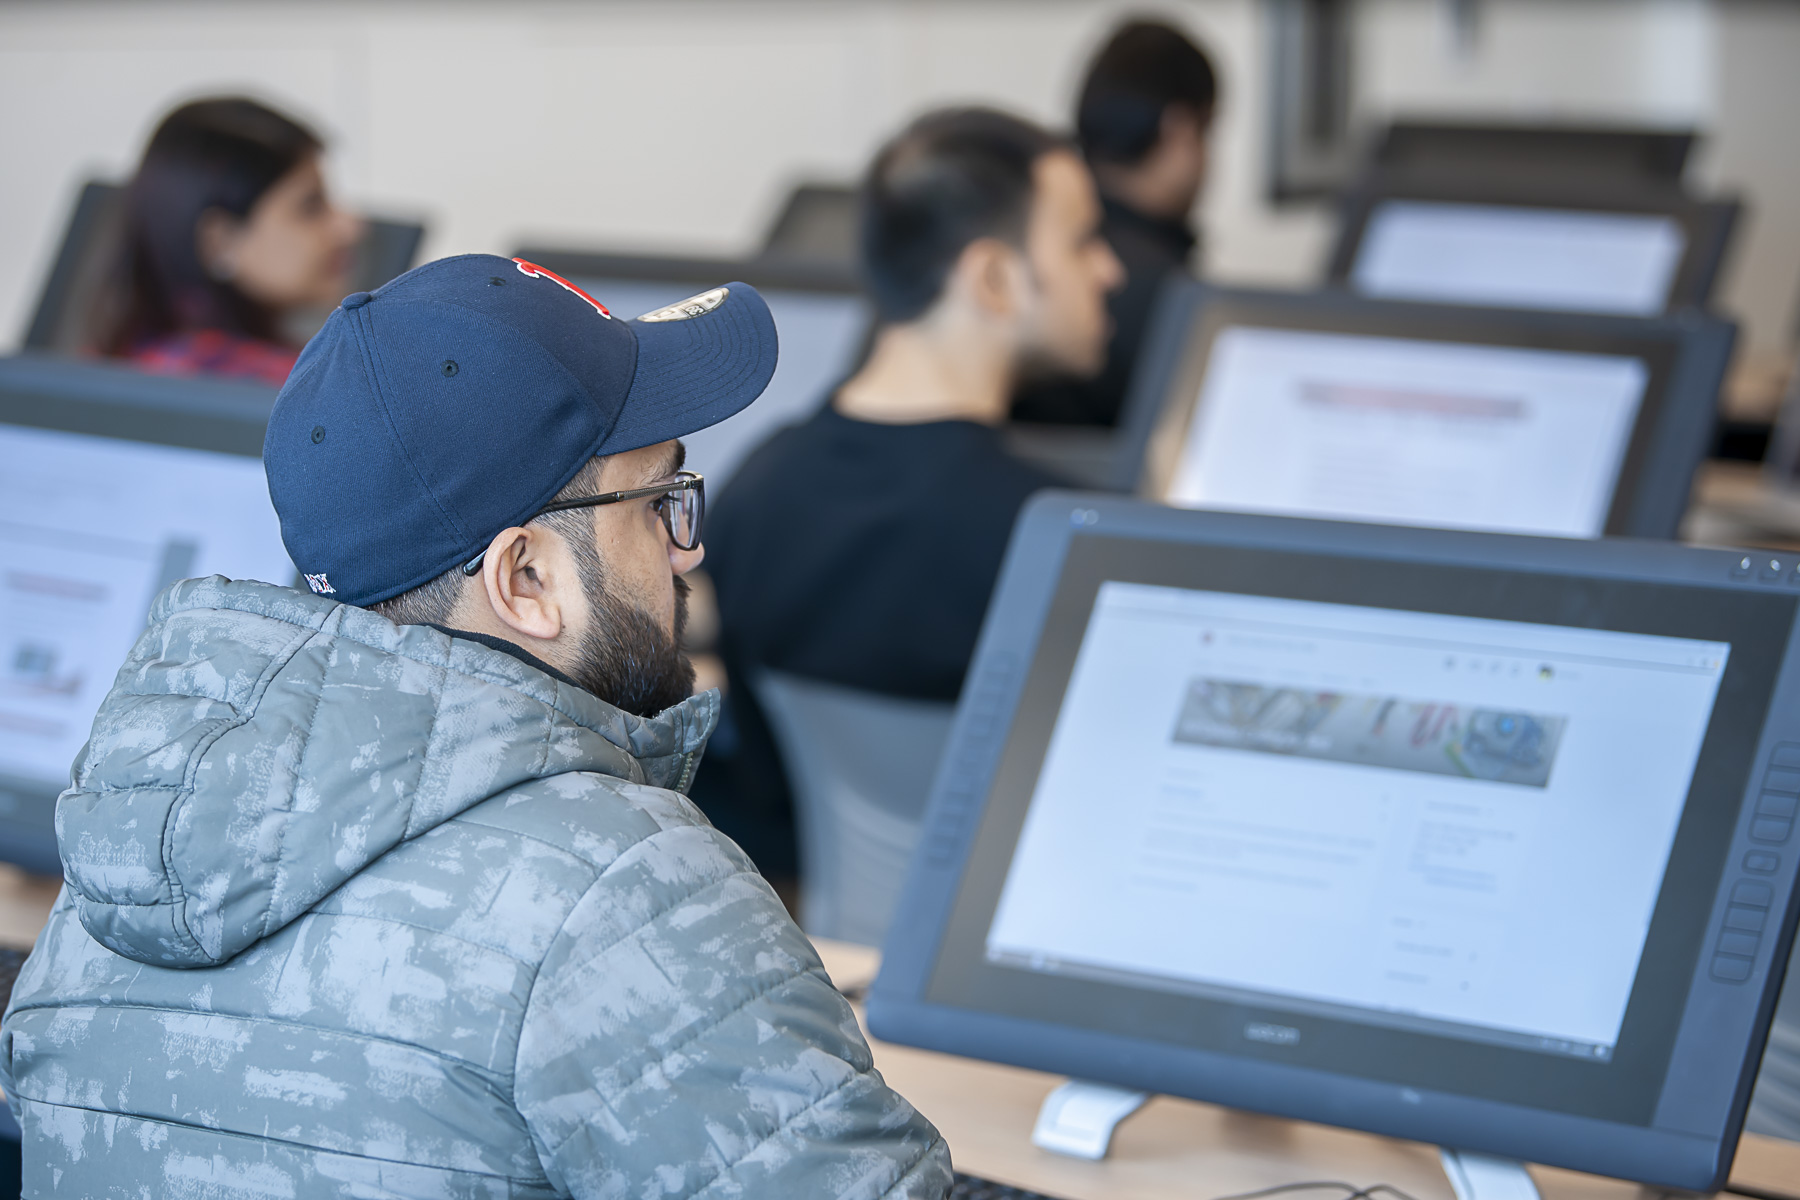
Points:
[[1765, 1166]]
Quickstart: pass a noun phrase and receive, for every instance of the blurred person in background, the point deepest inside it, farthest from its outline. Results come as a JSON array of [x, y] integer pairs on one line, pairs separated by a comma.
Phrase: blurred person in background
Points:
[[229, 231], [1144, 122], [860, 546]]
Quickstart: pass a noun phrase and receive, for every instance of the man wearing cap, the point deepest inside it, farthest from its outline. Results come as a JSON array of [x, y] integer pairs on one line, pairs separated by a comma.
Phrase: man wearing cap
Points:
[[388, 887]]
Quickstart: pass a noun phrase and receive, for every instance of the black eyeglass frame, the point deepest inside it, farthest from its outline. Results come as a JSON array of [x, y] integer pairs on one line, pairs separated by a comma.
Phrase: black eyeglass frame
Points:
[[685, 481]]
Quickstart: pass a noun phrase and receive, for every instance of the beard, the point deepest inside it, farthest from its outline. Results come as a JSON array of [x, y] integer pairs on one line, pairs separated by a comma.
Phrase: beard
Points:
[[626, 657]]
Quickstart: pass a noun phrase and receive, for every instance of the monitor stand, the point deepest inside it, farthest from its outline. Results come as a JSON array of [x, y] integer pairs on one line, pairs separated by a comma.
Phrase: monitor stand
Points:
[[1484, 1177], [1078, 1118]]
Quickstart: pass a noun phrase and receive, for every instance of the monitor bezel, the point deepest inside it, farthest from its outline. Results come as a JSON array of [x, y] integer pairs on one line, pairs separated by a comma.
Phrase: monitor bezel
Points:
[[1688, 355], [1633, 153], [1707, 225], [900, 1011], [49, 392]]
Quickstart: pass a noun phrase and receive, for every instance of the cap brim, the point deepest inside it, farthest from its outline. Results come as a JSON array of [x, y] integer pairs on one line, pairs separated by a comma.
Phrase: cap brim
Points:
[[696, 371]]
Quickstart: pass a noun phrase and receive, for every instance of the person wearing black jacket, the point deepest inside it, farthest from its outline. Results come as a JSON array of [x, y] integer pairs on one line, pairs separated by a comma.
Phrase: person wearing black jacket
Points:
[[1144, 121], [860, 546]]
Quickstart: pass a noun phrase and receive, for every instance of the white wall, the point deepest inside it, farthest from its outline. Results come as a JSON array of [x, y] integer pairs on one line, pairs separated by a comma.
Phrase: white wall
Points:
[[679, 124]]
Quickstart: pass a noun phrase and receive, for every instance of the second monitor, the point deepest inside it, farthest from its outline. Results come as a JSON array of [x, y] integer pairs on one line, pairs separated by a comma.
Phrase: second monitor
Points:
[[821, 318], [1327, 405]]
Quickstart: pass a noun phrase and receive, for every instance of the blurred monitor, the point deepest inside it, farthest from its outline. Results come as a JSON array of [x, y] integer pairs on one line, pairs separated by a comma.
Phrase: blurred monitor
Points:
[[1330, 405], [1516, 244], [113, 484], [818, 223], [81, 276], [1590, 151], [821, 319]]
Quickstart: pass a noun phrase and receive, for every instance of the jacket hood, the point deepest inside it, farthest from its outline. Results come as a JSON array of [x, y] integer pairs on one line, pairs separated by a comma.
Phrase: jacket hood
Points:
[[261, 746]]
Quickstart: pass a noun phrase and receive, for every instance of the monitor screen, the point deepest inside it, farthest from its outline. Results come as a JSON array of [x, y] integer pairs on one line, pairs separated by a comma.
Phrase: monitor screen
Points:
[[1462, 838], [1409, 431], [1520, 257], [91, 528], [820, 332], [1396, 809]]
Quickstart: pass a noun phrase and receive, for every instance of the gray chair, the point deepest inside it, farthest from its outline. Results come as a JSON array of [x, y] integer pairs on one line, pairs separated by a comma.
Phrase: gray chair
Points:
[[860, 765]]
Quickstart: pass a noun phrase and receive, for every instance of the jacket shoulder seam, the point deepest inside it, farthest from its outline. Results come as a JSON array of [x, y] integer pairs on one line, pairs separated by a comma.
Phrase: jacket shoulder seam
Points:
[[268, 915], [178, 893], [425, 756]]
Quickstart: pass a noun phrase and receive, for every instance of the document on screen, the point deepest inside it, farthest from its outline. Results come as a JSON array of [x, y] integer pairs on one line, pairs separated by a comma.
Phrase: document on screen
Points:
[[1409, 432], [1412, 819], [90, 530], [1518, 257]]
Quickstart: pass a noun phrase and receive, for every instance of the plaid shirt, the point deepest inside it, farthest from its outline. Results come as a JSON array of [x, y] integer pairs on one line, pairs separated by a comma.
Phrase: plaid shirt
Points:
[[215, 352]]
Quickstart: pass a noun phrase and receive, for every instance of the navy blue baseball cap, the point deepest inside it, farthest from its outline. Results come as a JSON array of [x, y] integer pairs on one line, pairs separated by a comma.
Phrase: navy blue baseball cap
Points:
[[457, 400]]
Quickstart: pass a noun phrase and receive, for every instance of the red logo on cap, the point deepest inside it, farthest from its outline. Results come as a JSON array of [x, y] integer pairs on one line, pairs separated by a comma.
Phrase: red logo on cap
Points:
[[537, 272]]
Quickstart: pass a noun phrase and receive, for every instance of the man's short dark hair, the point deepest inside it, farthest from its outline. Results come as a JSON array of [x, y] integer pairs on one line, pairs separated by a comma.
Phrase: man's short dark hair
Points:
[[434, 602], [950, 178], [1145, 67]]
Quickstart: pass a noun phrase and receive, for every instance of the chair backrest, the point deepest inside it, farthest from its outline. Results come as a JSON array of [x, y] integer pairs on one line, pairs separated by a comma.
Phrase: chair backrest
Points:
[[65, 316], [74, 301], [860, 766]]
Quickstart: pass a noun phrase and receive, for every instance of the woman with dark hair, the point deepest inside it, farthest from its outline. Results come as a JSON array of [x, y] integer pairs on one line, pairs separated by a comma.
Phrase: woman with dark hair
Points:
[[228, 230]]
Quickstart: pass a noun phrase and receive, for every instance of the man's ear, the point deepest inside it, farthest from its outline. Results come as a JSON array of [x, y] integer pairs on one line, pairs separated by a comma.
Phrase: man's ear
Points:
[[992, 274], [526, 577]]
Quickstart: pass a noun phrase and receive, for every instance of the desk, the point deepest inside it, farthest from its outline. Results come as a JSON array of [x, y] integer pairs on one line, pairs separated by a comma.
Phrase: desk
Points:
[[1181, 1148]]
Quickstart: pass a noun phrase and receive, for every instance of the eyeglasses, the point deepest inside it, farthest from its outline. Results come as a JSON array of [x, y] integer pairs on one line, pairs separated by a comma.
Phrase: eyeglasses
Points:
[[682, 505]]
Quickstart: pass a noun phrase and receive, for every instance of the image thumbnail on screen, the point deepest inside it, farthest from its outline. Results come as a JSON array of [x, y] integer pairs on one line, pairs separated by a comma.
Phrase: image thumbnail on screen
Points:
[[1433, 737]]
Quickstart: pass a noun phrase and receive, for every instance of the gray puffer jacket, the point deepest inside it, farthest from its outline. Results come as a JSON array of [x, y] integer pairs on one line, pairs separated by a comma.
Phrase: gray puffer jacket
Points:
[[365, 910]]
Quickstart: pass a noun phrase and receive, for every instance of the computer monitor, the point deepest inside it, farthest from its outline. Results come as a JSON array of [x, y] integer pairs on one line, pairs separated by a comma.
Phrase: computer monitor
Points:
[[821, 319], [1336, 406], [1478, 840], [1526, 242], [1632, 154], [82, 273], [113, 484], [816, 224]]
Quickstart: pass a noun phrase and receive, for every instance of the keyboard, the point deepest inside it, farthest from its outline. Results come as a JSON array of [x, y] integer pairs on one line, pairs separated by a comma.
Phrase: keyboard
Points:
[[972, 1187]]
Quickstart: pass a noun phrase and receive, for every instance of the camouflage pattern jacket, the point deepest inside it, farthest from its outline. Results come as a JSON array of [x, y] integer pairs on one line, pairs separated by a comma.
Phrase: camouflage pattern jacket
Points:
[[365, 910]]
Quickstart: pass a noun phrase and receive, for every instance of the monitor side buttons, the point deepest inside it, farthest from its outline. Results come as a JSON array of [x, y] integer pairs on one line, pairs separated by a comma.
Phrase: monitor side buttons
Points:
[[1762, 862], [1743, 568], [1782, 779], [987, 698], [1741, 945], [1745, 919], [1734, 957], [1771, 569], [1731, 968], [1778, 806], [1753, 893], [1770, 831]]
